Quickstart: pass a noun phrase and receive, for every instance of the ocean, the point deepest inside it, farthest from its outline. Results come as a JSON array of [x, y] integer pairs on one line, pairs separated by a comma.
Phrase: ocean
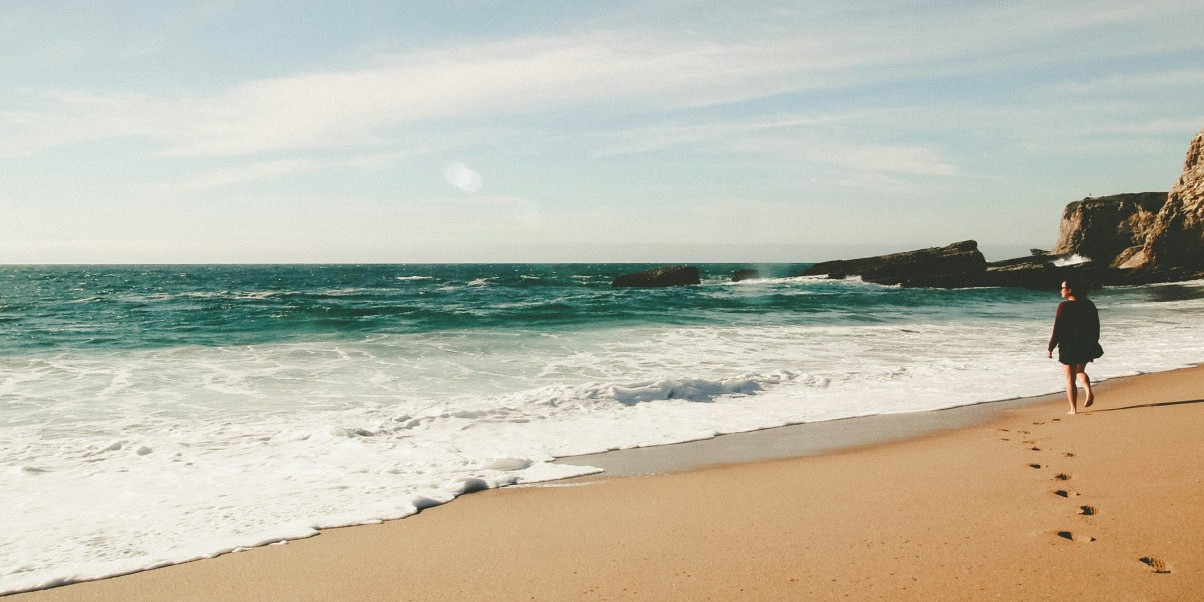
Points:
[[151, 415]]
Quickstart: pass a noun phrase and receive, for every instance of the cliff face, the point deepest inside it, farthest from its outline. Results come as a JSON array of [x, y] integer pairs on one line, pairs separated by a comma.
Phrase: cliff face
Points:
[[1103, 227], [1176, 239]]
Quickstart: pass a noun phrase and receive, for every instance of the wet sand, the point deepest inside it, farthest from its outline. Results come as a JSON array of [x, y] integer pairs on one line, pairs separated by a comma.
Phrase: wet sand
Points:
[[1015, 501]]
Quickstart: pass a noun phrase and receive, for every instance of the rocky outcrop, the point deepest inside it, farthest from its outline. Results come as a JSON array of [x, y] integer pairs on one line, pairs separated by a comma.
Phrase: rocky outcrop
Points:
[[957, 265], [677, 275], [745, 274], [1176, 240], [960, 265], [1102, 228], [1046, 273]]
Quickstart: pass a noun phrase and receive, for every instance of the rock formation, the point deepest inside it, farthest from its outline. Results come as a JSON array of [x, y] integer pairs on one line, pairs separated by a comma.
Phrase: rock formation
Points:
[[745, 274], [1176, 239], [961, 265], [657, 277], [1102, 228], [954, 265], [1042, 273]]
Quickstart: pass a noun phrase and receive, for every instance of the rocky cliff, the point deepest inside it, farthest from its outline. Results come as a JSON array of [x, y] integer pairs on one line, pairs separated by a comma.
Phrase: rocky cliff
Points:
[[1176, 239], [1101, 228]]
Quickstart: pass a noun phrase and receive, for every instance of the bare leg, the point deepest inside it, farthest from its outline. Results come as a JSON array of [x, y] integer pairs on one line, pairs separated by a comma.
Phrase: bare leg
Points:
[[1072, 390], [1086, 385]]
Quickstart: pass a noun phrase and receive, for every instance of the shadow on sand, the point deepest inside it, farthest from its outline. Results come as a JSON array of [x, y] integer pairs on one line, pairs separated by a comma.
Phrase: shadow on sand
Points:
[[1152, 405]]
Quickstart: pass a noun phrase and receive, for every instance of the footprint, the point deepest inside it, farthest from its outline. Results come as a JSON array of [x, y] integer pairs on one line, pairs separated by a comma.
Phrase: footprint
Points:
[[1068, 454], [1038, 423], [1154, 563], [1057, 419], [1073, 537], [1065, 494], [1004, 439], [1035, 448], [1087, 510], [1034, 466], [1061, 476]]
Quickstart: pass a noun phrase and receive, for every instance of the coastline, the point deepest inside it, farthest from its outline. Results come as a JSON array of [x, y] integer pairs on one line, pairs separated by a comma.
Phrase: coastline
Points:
[[962, 507]]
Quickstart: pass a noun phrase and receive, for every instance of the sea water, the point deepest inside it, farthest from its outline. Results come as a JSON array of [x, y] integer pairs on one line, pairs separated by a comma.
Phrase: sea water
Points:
[[154, 415]]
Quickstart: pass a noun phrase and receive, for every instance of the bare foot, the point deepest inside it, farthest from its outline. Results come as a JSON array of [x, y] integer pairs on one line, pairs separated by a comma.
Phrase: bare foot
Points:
[[1090, 400], [1072, 412]]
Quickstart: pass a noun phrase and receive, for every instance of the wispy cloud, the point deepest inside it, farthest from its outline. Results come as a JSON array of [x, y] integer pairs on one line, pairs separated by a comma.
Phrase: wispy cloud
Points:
[[1145, 82], [796, 138], [617, 70], [894, 159], [261, 171], [713, 135], [358, 106]]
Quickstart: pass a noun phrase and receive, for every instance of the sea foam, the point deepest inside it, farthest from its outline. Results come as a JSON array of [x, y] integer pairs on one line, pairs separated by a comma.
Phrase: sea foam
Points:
[[121, 459]]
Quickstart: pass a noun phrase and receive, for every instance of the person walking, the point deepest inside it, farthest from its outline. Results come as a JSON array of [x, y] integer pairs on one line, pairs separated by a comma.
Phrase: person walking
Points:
[[1076, 335]]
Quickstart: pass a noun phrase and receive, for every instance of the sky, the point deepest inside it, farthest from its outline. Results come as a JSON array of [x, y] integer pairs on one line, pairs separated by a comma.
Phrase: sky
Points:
[[357, 131]]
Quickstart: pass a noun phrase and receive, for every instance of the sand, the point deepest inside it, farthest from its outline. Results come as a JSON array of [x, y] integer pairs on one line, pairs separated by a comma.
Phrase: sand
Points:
[[1024, 503]]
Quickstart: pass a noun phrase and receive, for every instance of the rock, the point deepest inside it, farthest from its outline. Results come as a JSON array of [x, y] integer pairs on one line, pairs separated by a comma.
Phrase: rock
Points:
[[1176, 240], [1101, 228], [957, 265], [1130, 257], [1041, 273], [658, 277], [745, 275]]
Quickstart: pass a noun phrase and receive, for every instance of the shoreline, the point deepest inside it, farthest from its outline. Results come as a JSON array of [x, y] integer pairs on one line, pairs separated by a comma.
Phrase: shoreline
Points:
[[793, 440], [738, 479]]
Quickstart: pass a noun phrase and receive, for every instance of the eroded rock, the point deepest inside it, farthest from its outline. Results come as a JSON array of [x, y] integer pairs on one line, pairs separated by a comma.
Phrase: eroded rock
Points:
[[677, 275]]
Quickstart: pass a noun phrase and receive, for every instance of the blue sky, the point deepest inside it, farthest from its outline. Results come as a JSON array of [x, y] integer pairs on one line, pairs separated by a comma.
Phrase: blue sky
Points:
[[231, 131]]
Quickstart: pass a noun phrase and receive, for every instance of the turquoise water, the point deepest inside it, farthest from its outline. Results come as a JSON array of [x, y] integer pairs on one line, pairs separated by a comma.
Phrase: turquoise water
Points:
[[151, 415], [46, 308]]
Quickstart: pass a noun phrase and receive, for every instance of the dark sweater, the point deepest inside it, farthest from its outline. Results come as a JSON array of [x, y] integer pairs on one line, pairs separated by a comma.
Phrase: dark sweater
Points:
[[1076, 331]]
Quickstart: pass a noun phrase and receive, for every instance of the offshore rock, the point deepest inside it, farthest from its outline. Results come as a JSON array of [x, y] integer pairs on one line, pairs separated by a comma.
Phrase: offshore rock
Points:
[[1044, 273], [746, 274], [1103, 228], [677, 275], [1176, 241], [957, 265]]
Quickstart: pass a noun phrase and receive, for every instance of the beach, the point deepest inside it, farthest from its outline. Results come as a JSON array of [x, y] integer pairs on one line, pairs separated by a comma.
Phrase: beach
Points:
[[1022, 503]]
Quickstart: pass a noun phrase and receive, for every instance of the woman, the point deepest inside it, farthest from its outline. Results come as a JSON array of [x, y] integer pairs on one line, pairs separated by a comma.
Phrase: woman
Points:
[[1076, 335]]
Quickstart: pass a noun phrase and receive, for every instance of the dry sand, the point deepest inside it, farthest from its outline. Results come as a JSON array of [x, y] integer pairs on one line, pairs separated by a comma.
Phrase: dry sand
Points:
[[1029, 504]]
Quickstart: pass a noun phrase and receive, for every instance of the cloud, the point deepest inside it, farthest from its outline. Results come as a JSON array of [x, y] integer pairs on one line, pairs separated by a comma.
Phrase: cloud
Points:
[[1129, 83], [809, 138], [360, 106], [879, 158], [714, 134], [463, 177], [270, 170], [640, 71]]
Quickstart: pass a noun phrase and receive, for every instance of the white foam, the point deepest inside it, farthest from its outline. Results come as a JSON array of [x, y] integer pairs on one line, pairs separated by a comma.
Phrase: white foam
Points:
[[123, 460], [1074, 259]]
